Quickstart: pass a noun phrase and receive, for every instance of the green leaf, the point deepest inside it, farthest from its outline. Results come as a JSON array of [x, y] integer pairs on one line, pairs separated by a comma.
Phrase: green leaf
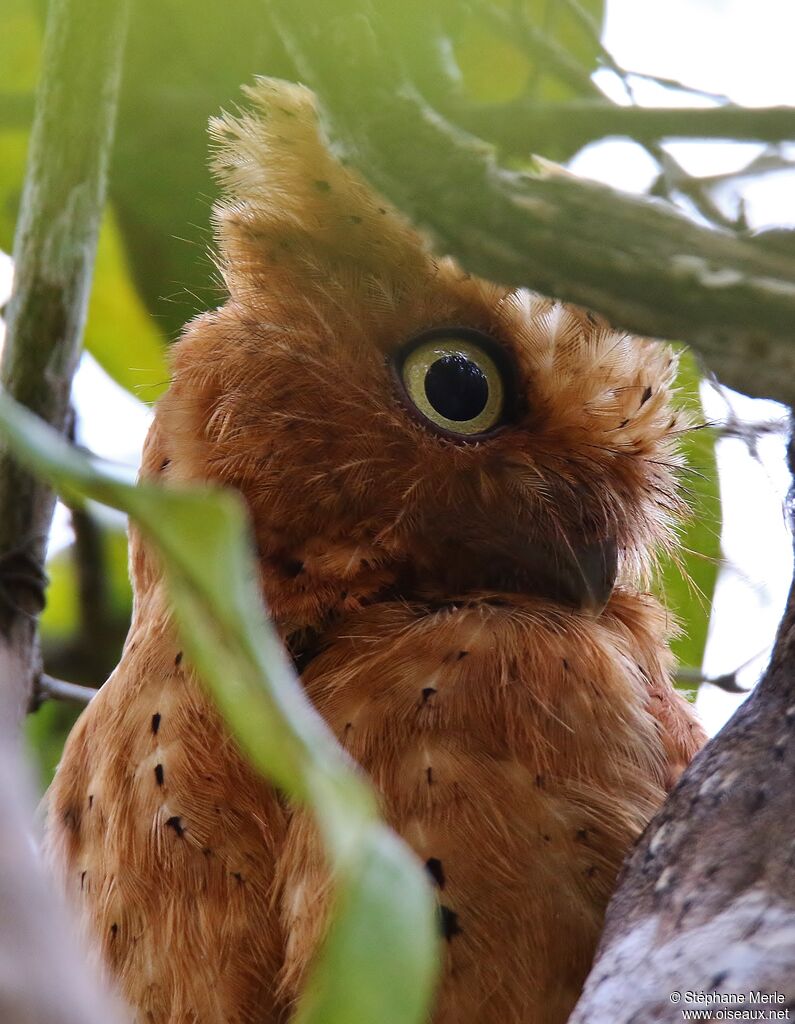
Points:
[[379, 959], [498, 65], [688, 581], [120, 334], [184, 63]]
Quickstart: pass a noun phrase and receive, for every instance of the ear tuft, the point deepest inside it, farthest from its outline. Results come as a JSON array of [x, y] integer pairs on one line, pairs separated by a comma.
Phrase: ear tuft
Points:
[[289, 206]]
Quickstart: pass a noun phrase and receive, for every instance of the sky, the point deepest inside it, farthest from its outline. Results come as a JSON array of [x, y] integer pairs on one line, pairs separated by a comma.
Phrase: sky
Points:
[[733, 47]]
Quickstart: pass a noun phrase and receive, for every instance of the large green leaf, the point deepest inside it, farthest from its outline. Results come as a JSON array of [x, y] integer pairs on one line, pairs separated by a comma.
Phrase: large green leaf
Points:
[[120, 333], [499, 65], [688, 580], [184, 63], [379, 960]]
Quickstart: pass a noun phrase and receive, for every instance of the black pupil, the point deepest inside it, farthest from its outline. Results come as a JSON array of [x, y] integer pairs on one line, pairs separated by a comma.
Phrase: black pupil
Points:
[[456, 387]]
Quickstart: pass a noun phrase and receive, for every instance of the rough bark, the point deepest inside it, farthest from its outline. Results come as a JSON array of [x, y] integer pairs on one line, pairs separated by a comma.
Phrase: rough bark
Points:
[[61, 209], [706, 902], [640, 262]]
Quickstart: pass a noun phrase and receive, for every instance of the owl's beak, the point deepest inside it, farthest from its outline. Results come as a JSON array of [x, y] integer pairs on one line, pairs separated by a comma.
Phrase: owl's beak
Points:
[[581, 576], [586, 575]]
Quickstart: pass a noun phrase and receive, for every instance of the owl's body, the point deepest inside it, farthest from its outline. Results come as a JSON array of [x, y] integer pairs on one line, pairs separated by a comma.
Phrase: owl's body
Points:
[[444, 583]]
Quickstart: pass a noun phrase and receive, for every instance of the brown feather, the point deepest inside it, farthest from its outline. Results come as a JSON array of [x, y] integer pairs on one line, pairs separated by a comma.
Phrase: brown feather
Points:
[[518, 744]]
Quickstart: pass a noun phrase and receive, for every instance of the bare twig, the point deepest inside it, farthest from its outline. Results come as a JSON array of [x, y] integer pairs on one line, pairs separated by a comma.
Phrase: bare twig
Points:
[[693, 677], [734, 427], [674, 181], [668, 83], [60, 689], [589, 24]]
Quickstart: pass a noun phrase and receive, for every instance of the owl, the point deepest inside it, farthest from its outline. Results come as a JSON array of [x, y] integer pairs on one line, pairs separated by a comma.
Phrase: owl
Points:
[[457, 491]]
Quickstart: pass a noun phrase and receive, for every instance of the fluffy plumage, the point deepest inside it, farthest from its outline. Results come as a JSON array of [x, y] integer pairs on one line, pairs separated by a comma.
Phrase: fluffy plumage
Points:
[[520, 739]]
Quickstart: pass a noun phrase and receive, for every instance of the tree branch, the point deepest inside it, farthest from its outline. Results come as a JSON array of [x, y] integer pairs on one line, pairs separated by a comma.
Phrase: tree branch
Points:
[[62, 203], [523, 126], [642, 263]]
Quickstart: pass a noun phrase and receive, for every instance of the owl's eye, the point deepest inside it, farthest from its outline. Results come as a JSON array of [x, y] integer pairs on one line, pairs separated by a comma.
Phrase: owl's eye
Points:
[[453, 379]]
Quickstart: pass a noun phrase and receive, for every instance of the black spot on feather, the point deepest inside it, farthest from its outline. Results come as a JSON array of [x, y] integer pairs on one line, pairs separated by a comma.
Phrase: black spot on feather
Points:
[[155, 722], [448, 919], [175, 822], [436, 871], [159, 774]]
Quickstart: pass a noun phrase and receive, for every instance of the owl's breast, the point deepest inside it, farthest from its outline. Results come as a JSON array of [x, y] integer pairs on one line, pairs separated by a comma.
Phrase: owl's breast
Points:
[[513, 750]]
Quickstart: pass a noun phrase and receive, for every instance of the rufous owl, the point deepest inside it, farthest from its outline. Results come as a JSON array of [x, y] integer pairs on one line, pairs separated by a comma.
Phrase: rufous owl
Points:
[[457, 491]]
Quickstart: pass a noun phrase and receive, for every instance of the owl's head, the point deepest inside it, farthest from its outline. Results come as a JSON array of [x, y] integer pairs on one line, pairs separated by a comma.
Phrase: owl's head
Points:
[[399, 428]]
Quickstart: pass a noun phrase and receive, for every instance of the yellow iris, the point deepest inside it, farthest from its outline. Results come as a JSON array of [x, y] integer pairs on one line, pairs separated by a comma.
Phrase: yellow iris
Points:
[[455, 384]]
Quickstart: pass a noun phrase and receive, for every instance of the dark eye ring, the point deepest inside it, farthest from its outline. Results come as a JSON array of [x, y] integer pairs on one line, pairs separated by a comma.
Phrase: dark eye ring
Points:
[[458, 379]]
